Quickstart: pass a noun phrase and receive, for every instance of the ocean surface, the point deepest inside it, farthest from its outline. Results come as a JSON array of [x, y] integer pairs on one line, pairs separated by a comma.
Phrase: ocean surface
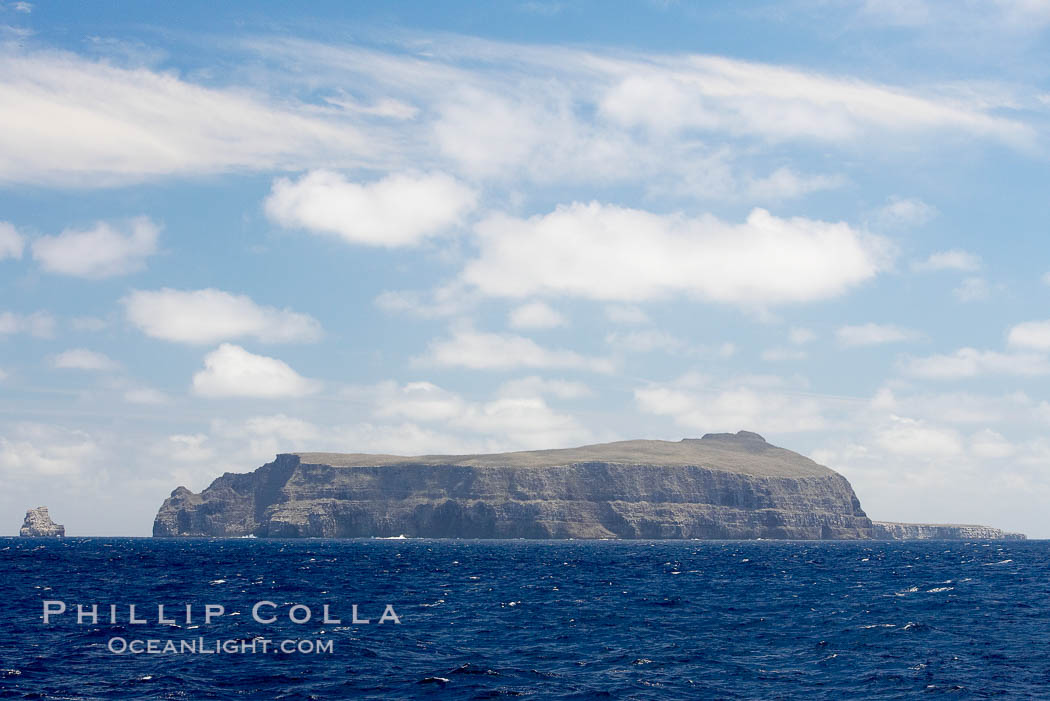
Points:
[[533, 619]]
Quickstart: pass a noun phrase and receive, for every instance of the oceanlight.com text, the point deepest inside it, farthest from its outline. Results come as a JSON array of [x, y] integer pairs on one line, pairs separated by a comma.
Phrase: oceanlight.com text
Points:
[[204, 646]]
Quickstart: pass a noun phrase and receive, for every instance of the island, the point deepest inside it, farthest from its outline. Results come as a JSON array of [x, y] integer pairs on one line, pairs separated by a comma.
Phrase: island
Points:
[[887, 530], [720, 486], [38, 524]]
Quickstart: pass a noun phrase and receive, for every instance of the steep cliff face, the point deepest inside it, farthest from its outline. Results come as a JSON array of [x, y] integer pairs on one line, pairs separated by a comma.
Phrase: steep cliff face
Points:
[[885, 530], [720, 486], [38, 524]]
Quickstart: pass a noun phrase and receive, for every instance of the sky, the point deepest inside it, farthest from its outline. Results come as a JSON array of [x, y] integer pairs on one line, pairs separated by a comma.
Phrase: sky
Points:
[[233, 230]]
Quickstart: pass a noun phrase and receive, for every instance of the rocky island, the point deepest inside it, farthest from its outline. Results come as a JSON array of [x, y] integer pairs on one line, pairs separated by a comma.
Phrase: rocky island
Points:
[[886, 530], [721, 486], [38, 524]]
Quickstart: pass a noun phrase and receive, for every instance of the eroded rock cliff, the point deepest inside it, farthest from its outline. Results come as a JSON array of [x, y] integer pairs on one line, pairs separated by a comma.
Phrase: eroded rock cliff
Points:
[[720, 486], [887, 530], [38, 524]]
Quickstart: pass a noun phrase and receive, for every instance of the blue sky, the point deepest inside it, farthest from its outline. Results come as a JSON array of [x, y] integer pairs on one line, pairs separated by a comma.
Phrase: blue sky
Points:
[[231, 231]]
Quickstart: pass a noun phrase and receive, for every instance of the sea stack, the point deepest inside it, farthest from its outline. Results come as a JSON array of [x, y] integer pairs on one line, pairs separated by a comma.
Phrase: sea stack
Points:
[[38, 524]]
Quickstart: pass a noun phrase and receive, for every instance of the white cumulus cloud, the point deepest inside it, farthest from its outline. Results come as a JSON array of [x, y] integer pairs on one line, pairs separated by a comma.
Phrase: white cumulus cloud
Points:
[[83, 359], [99, 252], [231, 371], [210, 315], [611, 253], [399, 210], [1030, 334]]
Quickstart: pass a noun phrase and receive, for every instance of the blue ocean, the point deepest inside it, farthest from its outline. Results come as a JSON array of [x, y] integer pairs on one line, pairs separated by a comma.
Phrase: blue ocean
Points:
[[532, 619]]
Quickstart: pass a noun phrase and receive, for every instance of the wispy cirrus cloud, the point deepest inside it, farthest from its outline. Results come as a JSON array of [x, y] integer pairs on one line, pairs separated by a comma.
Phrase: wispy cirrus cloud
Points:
[[710, 92], [1008, 16], [70, 120], [458, 103]]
